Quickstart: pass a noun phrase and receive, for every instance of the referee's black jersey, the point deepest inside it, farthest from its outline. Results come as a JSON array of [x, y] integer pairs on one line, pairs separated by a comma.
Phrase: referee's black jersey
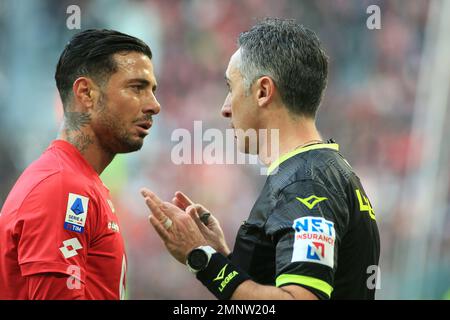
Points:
[[313, 226]]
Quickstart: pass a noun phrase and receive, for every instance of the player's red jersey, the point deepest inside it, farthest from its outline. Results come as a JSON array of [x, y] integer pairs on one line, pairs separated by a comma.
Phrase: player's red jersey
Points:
[[59, 219]]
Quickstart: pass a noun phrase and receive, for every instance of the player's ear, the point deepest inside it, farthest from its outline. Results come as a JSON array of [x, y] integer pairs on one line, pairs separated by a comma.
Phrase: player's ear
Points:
[[265, 90], [85, 92]]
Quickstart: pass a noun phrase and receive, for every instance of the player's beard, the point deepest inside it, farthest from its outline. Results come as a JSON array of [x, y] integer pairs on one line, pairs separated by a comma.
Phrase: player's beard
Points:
[[115, 135]]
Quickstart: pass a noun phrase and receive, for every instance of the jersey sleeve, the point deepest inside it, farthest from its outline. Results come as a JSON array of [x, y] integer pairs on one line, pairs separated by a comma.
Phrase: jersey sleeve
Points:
[[307, 224], [54, 227], [54, 286]]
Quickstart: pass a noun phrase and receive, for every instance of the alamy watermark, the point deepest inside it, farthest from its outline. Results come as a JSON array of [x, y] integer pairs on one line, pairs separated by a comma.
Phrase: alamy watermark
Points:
[[73, 21], [221, 148], [374, 279], [374, 20], [73, 282]]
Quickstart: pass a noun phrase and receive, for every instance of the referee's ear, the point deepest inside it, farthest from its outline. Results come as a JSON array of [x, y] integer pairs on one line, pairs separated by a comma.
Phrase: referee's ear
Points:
[[265, 91], [85, 93]]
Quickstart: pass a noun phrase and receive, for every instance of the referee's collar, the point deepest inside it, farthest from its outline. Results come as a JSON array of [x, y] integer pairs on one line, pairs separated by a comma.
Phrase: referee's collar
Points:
[[289, 155]]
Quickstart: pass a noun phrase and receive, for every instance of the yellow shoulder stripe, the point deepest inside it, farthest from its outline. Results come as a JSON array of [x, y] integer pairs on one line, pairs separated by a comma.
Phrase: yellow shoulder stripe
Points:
[[288, 155], [305, 280]]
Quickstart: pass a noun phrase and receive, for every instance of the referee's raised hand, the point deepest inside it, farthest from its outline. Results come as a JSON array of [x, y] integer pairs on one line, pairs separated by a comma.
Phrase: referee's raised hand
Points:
[[209, 227], [178, 230]]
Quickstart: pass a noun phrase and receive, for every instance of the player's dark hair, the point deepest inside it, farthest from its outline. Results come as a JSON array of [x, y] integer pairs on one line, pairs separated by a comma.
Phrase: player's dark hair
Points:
[[292, 56], [90, 53]]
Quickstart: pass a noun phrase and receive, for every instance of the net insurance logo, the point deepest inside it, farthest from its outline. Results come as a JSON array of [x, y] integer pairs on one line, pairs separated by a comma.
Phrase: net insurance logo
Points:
[[314, 241]]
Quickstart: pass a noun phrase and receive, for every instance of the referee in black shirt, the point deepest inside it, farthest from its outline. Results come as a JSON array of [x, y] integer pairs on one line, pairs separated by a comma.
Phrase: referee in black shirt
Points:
[[312, 233]]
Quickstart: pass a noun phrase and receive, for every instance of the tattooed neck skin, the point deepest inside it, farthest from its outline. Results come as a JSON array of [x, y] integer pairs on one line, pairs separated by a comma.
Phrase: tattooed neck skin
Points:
[[77, 131], [74, 122]]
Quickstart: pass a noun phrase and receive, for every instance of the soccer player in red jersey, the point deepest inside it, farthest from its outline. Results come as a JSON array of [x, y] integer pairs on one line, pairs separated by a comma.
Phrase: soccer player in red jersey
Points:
[[59, 235]]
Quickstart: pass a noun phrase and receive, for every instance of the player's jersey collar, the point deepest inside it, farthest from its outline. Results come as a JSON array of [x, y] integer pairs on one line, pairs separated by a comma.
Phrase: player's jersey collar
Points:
[[70, 149], [289, 155]]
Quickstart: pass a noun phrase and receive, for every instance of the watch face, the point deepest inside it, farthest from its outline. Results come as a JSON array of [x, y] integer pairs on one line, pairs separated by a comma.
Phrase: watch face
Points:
[[198, 259]]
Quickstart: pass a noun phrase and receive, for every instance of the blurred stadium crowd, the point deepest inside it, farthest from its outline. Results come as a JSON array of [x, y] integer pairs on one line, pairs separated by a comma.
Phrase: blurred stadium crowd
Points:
[[367, 109]]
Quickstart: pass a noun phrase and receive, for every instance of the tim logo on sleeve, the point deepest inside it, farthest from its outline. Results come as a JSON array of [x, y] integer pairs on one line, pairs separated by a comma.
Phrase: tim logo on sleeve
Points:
[[76, 213], [314, 240]]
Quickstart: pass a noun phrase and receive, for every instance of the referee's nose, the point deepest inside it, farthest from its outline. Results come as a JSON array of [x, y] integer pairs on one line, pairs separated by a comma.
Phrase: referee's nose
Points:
[[226, 108]]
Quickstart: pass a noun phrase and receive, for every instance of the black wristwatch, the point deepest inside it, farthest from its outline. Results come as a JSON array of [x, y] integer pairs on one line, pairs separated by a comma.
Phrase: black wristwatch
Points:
[[198, 259]]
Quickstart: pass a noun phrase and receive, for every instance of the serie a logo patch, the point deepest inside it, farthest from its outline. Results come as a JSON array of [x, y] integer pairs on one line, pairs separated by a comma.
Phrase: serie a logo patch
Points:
[[314, 240], [76, 213]]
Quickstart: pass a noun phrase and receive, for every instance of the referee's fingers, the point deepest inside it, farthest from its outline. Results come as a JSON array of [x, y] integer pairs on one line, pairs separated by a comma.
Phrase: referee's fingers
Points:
[[192, 211], [155, 207], [170, 209], [148, 193], [176, 202], [156, 223], [183, 199]]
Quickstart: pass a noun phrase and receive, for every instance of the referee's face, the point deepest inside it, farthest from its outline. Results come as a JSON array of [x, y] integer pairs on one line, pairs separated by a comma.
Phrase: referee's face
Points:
[[126, 104], [239, 106]]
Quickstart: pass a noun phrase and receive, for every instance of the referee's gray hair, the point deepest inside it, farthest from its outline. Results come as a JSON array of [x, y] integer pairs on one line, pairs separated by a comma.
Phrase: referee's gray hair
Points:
[[291, 55]]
